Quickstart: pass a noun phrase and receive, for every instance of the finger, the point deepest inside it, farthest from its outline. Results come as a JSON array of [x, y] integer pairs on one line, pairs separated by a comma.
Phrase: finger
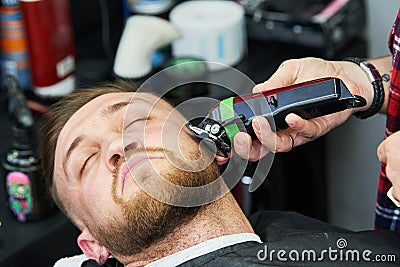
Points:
[[270, 141], [247, 148], [381, 152], [284, 142], [221, 160], [393, 174], [304, 128], [392, 158], [388, 149], [291, 141], [242, 145], [264, 133]]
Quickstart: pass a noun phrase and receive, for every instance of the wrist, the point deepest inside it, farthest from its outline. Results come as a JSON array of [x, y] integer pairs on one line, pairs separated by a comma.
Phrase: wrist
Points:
[[375, 87]]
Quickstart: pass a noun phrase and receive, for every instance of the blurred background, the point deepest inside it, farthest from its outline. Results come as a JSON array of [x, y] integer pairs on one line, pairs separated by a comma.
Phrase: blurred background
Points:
[[49, 48]]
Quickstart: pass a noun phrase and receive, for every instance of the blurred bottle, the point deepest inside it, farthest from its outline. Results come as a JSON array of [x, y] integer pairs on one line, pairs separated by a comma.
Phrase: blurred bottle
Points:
[[51, 46], [25, 186], [13, 43], [159, 8]]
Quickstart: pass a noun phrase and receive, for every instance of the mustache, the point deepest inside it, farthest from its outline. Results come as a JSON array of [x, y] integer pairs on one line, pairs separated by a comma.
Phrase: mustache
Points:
[[118, 163], [122, 160]]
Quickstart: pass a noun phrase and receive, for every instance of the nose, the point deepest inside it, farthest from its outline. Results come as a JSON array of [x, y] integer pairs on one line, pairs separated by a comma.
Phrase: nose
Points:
[[117, 150], [114, 153]]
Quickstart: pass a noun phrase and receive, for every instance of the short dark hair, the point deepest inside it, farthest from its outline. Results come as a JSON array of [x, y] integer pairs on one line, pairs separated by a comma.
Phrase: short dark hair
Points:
[[60, 113]]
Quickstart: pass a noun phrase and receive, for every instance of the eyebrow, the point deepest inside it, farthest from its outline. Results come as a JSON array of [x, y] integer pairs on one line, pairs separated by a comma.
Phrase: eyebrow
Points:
[[71, 148], [114, 108]]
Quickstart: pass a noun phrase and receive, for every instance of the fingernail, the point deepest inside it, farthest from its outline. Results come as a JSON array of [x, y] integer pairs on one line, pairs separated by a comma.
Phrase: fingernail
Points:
[[290, 119], [241, 143], [256, 126]]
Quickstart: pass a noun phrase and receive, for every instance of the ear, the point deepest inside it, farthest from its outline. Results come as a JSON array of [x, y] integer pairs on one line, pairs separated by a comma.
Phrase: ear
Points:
[[92, 248]]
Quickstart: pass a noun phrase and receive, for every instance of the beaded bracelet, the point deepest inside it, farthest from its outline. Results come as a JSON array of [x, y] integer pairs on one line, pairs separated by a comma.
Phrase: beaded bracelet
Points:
[[376, 81]]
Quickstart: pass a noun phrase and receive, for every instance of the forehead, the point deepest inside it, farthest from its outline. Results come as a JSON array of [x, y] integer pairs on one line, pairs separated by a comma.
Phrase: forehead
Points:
[[100, 105]]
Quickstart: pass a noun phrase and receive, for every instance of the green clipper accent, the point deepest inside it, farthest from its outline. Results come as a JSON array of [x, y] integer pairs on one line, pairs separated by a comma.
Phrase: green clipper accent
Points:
[[227, 112]]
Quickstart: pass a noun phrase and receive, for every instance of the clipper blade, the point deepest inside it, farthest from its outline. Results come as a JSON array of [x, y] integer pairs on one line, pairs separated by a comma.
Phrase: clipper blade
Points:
[[203, 131]]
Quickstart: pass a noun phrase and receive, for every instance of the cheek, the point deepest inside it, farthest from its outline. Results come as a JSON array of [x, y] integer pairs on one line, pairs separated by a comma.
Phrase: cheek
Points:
[[168, 136], [95, 192], [97, 196], [155, 136]]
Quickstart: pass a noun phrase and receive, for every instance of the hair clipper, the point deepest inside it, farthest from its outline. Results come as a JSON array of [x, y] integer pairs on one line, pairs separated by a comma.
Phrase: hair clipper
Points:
[[309, 100]]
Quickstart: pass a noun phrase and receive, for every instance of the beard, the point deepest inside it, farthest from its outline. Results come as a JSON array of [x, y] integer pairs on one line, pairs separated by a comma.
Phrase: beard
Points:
[[146, 220]]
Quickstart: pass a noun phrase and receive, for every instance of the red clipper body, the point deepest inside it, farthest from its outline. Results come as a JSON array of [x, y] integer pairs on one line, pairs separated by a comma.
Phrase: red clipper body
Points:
[[308, 100]]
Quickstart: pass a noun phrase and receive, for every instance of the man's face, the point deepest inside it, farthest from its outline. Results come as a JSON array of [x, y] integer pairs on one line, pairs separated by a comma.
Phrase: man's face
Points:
[[106, 155]]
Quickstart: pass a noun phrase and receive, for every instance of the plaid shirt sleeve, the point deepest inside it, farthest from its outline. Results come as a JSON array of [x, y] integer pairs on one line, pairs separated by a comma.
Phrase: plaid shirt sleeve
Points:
[[387, 215]]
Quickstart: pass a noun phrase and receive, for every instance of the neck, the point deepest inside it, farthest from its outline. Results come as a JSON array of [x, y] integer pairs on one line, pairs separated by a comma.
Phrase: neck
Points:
[[220, 218]]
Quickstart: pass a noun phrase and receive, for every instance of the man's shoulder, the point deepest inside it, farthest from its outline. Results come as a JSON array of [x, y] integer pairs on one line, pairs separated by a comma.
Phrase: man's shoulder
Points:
[[273, 224], [293, 239]]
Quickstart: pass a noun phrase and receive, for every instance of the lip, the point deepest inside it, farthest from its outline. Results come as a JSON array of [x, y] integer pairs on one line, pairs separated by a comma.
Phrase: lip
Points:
[[133, 162]]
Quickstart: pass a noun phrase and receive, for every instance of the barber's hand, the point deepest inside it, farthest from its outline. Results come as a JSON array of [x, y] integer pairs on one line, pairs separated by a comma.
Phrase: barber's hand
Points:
[[389, 153], [300, 131]]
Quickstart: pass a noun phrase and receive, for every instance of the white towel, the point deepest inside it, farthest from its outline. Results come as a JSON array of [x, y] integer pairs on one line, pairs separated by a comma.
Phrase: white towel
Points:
[[74, 261]]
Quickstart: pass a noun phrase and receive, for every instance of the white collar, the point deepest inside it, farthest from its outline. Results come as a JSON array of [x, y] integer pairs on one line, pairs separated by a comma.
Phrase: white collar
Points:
[[204, 248]]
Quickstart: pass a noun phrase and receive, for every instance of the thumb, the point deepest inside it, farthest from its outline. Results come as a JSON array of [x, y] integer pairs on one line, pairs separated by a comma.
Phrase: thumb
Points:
[[283, 76]]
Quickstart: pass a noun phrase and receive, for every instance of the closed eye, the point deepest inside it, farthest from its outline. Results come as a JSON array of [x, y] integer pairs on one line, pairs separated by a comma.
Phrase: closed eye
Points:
[[85, 163], [133, 122]]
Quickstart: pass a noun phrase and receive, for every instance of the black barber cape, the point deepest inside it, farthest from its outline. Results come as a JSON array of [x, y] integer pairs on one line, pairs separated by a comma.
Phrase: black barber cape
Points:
[[291, 239]]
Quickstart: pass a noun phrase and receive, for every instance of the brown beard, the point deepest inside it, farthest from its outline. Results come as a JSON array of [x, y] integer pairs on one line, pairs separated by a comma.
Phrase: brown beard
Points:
[[145, 219]]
